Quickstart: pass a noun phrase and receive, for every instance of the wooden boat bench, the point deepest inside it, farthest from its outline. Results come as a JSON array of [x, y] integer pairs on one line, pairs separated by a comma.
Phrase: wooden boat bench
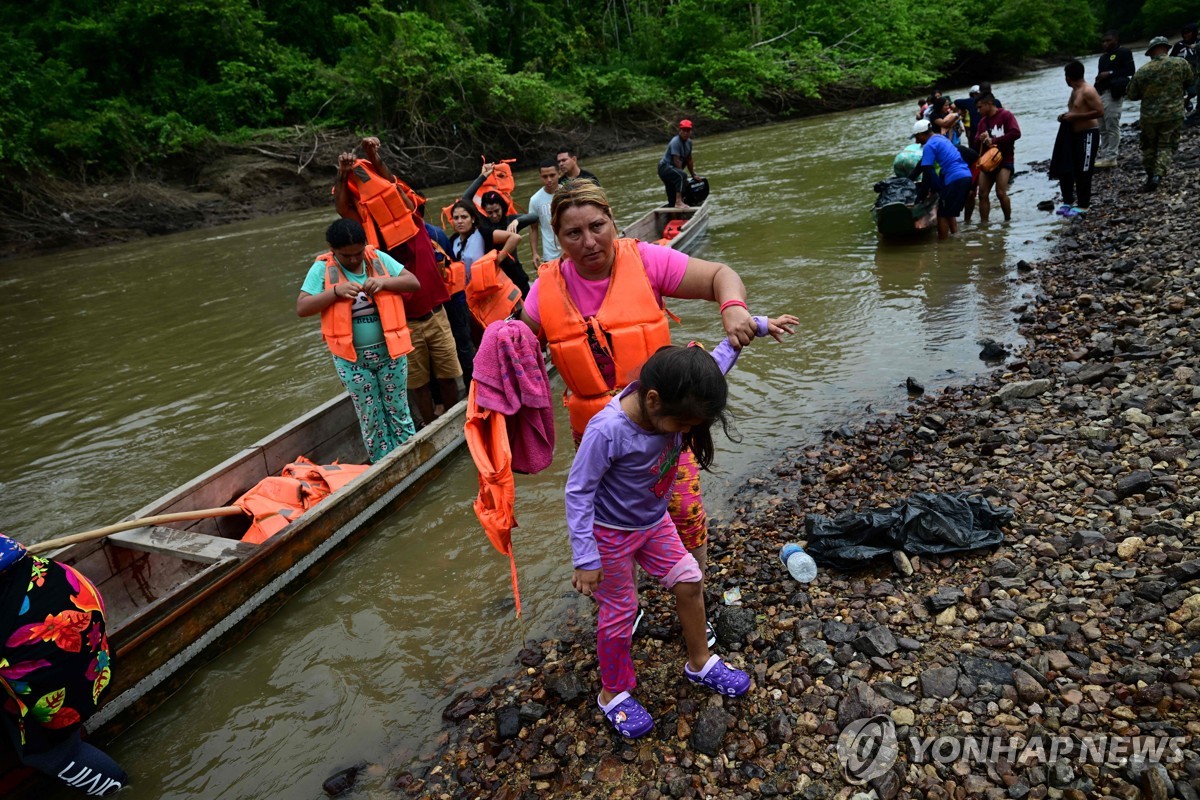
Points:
[[200, 547]]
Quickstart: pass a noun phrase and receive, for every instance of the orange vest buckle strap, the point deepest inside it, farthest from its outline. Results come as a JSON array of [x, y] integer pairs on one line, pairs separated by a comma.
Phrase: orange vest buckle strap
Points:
[[337, 324], [629, 327]]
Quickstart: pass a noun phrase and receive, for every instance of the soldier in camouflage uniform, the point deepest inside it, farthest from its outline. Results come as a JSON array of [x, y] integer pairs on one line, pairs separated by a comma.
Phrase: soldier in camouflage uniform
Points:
[[1161, 85]]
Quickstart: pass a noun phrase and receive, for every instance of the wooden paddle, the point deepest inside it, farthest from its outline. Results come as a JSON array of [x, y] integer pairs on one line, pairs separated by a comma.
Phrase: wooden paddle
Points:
[[100, 533]]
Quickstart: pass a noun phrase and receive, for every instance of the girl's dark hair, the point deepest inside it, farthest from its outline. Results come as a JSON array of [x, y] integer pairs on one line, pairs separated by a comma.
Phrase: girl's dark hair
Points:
[[690, 385], [345, 232], [492, 198]]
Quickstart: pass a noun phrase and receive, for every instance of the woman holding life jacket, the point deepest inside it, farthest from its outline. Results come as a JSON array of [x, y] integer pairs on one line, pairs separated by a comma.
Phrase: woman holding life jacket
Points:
[[356, 290], [600, 308], [473, 238]]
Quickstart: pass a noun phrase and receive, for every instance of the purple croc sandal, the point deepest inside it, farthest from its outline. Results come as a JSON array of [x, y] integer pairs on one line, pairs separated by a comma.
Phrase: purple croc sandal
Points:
[[720, 677], [627, 715]]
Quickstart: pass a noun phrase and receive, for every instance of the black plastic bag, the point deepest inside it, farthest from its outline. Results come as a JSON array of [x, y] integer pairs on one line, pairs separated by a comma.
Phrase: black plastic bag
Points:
[[896, 190], [925, 524]]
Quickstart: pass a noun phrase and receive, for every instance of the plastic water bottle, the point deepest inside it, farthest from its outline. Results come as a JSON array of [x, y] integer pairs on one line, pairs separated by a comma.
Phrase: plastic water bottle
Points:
[[799, 563]]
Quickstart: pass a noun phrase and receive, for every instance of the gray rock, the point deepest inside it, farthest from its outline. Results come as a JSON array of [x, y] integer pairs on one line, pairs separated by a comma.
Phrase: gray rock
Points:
[[1136, 671], [1022, 390], [894, 693], [1028, 689], [532, 712], [508, 722], [1003, 568], [1156, 784], [709, 730], [568, 688], [1093, 373], [861, 702], [1083, 539], [780, 729], [939, 682], [1134, 483], [839, 632], [943, 598], [985, 670], [1060, 775], [733, 626], [878, 641]]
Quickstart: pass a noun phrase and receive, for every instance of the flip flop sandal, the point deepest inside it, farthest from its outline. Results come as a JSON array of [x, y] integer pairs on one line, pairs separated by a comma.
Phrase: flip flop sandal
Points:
[[627, 716], [720, 677]]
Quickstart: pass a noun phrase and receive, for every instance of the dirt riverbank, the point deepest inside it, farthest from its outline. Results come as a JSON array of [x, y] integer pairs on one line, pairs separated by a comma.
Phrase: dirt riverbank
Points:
[[1084, 623]]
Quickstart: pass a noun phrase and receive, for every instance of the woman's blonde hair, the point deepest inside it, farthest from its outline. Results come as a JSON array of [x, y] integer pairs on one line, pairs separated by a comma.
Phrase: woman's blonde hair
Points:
[[579, 192]]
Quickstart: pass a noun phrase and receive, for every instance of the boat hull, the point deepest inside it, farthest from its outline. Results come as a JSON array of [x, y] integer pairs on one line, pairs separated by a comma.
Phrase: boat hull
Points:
[[178, 597], [649, 227]]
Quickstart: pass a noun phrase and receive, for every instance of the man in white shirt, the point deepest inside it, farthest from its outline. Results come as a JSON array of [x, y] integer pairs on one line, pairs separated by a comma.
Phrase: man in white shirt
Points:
[[540, 204]]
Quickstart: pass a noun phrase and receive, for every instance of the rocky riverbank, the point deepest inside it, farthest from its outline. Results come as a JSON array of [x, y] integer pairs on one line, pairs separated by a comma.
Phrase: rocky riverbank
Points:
[[1085, 623]]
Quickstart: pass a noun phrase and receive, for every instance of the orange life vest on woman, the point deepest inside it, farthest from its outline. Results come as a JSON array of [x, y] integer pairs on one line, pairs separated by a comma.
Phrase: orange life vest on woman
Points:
[[337, 325], [491, 295], [380, 206], [630, 326]]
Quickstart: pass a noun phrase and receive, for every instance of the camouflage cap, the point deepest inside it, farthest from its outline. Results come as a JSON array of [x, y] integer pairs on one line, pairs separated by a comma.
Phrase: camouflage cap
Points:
[[1157, 41]]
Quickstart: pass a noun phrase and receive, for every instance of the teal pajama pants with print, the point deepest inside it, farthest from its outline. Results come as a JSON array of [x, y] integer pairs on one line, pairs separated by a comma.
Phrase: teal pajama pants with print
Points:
[[378, 385]]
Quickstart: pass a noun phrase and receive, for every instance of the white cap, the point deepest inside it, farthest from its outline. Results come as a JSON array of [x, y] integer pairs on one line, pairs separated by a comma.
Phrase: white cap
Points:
[[974, 89], [921, 126]]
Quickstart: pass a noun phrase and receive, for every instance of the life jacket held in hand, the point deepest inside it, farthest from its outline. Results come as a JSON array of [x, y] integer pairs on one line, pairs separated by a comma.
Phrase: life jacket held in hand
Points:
[[486, 433], [381, 209], [599, 356], [491, 295], [453, 273], [337, 324], [501, 180]]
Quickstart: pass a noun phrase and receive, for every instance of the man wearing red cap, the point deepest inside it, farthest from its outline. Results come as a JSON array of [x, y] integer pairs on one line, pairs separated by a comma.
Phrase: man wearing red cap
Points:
[[677, 158]]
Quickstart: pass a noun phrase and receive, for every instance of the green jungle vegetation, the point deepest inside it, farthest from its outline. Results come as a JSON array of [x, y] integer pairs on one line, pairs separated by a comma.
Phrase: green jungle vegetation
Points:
[[102, 89]]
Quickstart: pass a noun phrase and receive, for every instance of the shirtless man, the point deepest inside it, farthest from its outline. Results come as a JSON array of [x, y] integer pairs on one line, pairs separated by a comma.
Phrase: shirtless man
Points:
[[1084, 112]]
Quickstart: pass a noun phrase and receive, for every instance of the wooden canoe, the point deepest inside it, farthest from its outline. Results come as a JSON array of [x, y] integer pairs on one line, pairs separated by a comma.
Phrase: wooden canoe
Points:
[[176, 597], [649, 227]]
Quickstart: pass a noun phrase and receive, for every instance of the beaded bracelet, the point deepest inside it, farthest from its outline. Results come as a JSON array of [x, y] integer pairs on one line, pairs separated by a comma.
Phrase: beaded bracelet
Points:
[[733, 302]]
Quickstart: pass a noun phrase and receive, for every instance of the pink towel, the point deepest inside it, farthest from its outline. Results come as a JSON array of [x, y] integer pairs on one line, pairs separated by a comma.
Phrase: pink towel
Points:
[[510, 378]]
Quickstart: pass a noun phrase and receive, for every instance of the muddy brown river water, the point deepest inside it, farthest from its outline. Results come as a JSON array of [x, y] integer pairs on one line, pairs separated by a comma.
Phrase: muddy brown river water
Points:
[[130, 369]]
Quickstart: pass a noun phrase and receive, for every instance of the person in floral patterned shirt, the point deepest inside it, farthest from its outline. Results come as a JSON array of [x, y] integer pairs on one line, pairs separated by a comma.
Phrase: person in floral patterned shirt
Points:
[[54, 666]]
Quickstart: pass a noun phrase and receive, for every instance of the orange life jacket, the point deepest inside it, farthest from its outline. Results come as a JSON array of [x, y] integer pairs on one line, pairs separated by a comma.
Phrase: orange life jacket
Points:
[[272, 505], [380, 205], [491, 295], [322, 480], [454, 273], [486, 432], [501, 180], [630, 326], [276, 501], [337, 326]]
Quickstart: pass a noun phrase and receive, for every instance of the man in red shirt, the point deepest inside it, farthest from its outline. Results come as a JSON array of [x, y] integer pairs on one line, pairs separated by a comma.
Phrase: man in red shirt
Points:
[[997, 128]]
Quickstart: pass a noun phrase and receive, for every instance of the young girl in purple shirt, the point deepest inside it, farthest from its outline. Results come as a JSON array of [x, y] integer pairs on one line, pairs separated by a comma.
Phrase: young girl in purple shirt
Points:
[[617, 495]]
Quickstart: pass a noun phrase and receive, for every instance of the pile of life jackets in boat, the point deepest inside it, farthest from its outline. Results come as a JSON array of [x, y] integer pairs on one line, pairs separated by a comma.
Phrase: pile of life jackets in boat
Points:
[[277, 500]]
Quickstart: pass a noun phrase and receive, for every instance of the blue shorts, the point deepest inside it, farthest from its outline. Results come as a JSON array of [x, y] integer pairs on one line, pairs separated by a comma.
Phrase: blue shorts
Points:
[[954, 197]]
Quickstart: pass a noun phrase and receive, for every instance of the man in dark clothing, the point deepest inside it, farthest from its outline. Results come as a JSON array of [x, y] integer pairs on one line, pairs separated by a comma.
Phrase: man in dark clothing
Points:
[[1084, 110], [1188, 48], [494, 206], [675, 160], [1113, 73], [568, 166]]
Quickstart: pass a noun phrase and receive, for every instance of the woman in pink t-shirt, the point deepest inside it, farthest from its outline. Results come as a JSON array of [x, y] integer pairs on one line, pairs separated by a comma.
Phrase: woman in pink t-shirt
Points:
[[583, 222]]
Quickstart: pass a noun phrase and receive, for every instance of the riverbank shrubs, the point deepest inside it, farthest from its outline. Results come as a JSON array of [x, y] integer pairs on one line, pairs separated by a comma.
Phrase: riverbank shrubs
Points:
[[104, 88]]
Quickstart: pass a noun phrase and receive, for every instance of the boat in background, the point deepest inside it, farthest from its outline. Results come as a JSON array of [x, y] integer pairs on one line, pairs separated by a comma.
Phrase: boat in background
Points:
[[677, 228]]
